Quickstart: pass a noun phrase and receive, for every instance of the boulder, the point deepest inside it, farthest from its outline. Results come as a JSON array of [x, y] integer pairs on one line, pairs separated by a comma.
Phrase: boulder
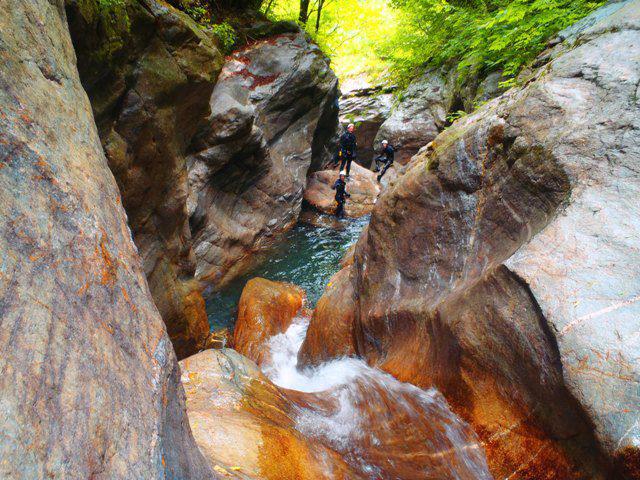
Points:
[[273, 111], [330, 334], [149, 71], [420, 114], [367, 107], [90, 385], [246, 426], [265, 309], [500, 266], [362, 186]]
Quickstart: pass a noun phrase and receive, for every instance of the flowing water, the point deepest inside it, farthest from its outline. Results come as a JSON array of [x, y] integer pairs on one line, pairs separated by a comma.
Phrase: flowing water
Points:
[[384, 429]]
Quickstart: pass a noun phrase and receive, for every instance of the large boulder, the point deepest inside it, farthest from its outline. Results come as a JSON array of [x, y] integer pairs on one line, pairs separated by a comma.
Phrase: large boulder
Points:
[[420, 114], [273, 112], [367, 107], [500, 267], [266, 308], [149, 71], [362, 186], [247, 427], [90, 385]]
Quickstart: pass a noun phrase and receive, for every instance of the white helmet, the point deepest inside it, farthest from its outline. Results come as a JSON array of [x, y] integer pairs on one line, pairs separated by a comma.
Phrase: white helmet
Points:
[[385, 142], [343, 172]]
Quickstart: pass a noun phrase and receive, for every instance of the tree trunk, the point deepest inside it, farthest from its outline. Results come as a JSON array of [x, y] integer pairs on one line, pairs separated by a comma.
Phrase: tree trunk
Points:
[[318, 18], [304, 12]]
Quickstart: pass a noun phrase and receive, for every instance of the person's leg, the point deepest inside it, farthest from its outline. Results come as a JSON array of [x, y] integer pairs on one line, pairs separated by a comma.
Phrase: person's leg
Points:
[[343, 162], [349, 165], [340, 208], [385, 168]]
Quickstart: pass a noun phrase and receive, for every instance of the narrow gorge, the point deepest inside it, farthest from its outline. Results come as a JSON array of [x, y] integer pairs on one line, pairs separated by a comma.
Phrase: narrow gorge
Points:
[[179, 301]]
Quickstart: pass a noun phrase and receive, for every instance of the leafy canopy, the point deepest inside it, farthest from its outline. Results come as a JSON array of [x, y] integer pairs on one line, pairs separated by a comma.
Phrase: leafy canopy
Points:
[[400, 37], [482, 35]]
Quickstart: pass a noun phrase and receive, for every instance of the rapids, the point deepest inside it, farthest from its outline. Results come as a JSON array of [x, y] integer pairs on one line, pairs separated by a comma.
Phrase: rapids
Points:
[[383, 428]]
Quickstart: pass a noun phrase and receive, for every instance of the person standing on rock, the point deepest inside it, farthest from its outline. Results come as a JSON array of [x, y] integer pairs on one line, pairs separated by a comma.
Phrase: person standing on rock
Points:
[[385, 158], [341, 193], [348, 148]]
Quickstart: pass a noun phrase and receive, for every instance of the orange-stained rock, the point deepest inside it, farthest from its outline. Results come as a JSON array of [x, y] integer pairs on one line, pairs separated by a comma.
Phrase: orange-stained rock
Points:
[[330, 334], [362, 186], [246, 427], [501, 266], [266, 308]]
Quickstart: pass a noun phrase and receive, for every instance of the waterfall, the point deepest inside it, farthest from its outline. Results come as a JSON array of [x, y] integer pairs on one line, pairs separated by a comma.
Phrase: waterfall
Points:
[[382, 427]]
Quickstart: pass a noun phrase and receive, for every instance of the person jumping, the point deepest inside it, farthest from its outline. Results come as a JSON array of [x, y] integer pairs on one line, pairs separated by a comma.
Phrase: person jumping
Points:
[[348, 148], [341, 193]]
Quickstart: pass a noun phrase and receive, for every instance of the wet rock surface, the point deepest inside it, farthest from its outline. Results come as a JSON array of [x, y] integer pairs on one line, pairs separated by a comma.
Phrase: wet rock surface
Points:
[[330, 334], [266, 308], [362, 186], [90, 383], [273, 112], [246, 426], [149, 71], [499, 267]]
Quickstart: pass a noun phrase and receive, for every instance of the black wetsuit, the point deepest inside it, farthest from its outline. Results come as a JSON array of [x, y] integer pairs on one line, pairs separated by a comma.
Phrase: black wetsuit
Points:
[[341, 195], [386, 157], [348, 150]]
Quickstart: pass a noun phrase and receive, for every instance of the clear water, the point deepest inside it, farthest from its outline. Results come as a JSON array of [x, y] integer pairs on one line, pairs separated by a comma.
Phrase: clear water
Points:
[[307, 256]]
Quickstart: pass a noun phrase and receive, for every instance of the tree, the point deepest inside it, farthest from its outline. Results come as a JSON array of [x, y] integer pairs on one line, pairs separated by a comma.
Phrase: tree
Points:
[[304, 12], [319, 15]]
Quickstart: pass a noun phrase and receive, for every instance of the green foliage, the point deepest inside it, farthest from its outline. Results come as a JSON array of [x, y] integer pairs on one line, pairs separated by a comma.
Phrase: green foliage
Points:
[[109, 5], [350, 31], [482, 35], [401, 37], [453, 116], [111, 18], [226, 35]]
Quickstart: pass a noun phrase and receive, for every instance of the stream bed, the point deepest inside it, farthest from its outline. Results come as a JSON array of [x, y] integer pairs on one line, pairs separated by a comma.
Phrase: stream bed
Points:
[[307, 256], [382, 428]]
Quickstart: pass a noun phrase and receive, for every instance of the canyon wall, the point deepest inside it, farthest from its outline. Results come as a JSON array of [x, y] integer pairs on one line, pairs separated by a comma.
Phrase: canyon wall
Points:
[[273, 114], [149, 71], [90, 384], [501, 267], [211, 166]]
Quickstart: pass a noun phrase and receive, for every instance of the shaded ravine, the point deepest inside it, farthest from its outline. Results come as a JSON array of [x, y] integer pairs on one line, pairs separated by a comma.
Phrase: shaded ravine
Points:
[[307, 256], [382, 428]]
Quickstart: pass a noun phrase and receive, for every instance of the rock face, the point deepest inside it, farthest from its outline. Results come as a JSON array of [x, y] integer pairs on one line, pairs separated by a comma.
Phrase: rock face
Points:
[[149, 71], [367, 108], [265, 309], [273, 112], [330, 334], [246, 426], [90, 384], [425, 105], [362, 186], [500, 267], [421, 115]]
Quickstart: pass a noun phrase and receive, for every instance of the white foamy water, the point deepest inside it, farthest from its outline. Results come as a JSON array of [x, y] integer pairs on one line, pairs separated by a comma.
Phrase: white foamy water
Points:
[[375, 421]]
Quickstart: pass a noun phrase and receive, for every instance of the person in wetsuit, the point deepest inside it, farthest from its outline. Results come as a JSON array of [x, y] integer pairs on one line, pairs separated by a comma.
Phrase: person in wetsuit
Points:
[[385, 158], [348, 149], [341, 193]]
